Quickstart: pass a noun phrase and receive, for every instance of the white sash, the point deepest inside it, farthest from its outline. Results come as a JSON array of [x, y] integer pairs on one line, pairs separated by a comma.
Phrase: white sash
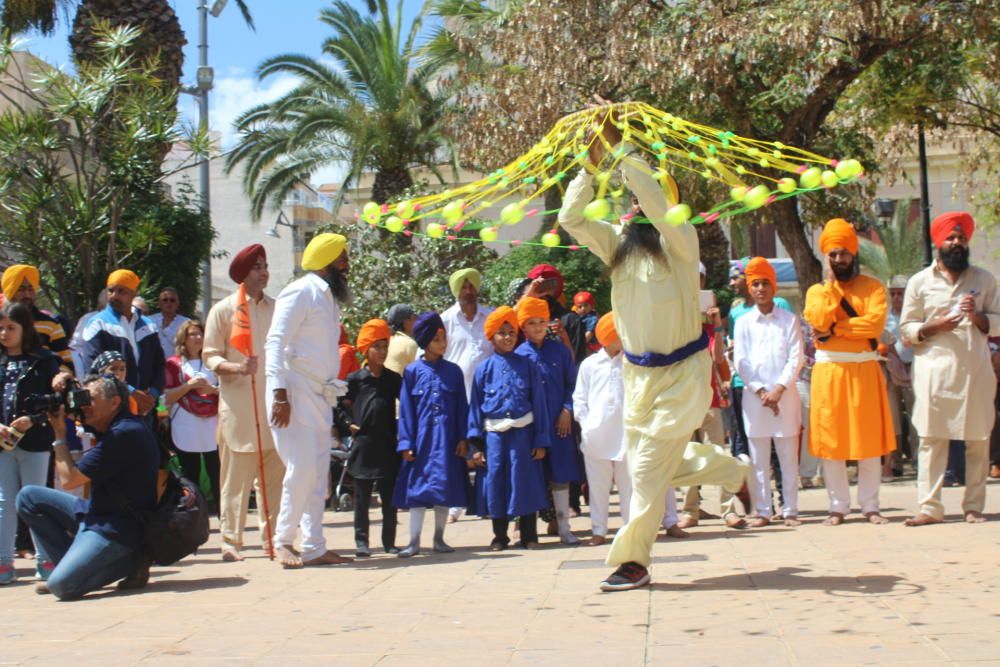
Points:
[[505, 424], [831, 357]]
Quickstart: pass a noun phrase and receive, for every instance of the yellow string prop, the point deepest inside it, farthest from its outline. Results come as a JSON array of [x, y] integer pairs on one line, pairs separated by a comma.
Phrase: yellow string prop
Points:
[[757, 173]]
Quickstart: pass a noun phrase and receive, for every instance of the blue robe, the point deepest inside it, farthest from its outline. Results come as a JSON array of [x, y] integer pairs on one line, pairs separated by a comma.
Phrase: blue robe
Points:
[[558, 372], [512, 484], [433, 414]]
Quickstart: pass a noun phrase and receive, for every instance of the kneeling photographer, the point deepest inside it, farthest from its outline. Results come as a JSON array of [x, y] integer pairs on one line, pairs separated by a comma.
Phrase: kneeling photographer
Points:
[[94, 544]]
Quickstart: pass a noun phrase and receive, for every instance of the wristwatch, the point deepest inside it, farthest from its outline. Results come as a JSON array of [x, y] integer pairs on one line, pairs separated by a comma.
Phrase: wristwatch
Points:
[[57, 442]]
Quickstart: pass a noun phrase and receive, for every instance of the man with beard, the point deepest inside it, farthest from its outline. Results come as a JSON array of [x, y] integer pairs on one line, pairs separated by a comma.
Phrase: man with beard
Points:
[[654, 295], [302, 361], [849, 416], [463, 324], [20, 283], [949, 310]]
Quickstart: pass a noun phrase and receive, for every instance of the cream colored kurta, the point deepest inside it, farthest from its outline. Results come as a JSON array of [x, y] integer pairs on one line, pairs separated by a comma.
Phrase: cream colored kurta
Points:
[[953, 381], [236, 415]]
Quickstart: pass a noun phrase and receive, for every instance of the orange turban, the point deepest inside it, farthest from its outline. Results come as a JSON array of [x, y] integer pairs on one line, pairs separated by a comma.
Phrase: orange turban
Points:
[[605, 330], [759, 268], [14, 277], [940, 228], [371, 332], [496, 319], [838, 233], [530, 307], [125, 278]]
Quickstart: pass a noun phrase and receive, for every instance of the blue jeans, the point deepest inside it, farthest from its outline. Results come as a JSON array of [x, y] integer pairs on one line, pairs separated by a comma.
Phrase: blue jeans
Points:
[[18, 468], [84, 560]]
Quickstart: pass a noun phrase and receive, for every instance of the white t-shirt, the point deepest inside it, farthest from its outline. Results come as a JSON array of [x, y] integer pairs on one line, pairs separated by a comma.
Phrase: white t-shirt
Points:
[[189, 432]]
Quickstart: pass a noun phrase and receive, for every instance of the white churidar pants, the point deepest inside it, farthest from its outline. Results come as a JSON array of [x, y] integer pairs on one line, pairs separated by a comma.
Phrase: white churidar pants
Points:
[[305, 451], [760, 478], [601, 473], [839, 490]]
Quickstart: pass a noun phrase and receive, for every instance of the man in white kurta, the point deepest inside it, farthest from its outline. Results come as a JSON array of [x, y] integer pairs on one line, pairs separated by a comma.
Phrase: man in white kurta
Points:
[[949, 310], [303, 360], [464, 324], [767, 350], [657, 315]]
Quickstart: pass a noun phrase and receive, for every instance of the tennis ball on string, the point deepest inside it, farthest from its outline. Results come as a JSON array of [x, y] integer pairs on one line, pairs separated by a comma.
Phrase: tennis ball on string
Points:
[[371, 212], [677, 215], [811, 178], [452, 212], [603, 177], [787, 185], [435, 231], [738, 193], [848, 169], [550, 239], [756, 197], [597, 210], [829, 178], [405, 210], [488, 234], [511, 214], [394, 224]]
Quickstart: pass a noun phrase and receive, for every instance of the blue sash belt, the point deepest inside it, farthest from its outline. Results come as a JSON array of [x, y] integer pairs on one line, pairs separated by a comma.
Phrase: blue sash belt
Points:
[[655, 359]]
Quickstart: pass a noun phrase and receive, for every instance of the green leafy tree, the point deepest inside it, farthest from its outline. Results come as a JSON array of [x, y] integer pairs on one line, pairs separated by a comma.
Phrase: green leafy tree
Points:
[[900, 247], [376, 109]]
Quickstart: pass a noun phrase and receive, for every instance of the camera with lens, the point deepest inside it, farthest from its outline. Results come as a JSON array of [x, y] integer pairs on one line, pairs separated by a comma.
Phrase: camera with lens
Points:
[[73, 399]]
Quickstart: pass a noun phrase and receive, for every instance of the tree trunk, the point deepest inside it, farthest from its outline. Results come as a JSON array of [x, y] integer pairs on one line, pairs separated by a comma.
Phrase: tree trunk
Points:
[[792, 233], [390, 183]]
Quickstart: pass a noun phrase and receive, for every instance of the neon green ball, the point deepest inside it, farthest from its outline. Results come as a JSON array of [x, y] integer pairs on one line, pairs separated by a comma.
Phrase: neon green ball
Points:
[[829, 178], [394, 224], [738, 193], [811, 178], [405, 210], [435, 231], [550, 239], [452, 212], [787, 185], [597, 210], [371, 212], [756, 197], [488, 234], [603, 177], [677, 215], [511, 214]]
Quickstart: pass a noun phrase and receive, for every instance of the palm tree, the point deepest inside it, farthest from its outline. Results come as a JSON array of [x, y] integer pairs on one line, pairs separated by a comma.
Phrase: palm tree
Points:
[[901, 252], [378, 108]]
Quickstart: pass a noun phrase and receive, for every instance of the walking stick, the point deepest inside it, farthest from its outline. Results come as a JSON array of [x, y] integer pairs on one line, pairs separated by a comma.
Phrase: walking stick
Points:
[[260, 471]]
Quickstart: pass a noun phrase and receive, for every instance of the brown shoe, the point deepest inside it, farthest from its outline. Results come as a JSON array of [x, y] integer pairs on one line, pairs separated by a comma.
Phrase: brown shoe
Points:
[[596, 541], [921, 519], [995, 471], [139, 577]]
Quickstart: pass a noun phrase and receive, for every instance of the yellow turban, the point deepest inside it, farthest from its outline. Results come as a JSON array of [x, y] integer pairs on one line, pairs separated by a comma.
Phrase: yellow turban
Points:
[[530, 307], [457, 279], [14, 277], [605, 330], [371, 332], [838, 233], [496, 319], [759, 268], [125, 278], [323, 249]]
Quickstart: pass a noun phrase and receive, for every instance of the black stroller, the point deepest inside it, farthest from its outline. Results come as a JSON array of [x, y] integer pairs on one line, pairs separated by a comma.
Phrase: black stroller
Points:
[[340, 490]]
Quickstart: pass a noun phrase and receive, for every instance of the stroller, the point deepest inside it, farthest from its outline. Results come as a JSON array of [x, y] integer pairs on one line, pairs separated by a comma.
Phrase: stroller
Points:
[[340, 489]]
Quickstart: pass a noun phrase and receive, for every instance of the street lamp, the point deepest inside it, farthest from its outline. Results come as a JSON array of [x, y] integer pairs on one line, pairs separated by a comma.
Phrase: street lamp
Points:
[[884, 209], [925, 199], [282, 221]]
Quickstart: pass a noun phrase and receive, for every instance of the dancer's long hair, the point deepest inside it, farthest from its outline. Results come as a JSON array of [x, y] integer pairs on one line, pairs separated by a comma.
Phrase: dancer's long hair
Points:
[[641, 237]]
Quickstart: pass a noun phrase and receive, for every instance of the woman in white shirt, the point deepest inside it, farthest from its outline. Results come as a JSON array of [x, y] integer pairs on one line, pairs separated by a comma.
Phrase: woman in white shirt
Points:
[[192, 393]]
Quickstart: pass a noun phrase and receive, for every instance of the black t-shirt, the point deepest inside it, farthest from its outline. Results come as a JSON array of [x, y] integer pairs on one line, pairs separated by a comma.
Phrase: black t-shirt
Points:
[[125, 460], [12, 372], [373, 409]]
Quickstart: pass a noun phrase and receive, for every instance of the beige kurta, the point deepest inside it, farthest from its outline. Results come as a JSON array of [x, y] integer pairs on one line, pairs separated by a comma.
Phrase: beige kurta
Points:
[[953, 381], [236, 415]]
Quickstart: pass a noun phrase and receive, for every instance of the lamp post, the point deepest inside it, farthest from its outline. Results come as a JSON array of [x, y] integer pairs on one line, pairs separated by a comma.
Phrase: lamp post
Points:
[[925, 200]]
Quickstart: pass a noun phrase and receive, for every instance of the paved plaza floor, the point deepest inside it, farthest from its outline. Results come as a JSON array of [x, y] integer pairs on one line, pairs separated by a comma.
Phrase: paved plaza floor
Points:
[[814, 595]]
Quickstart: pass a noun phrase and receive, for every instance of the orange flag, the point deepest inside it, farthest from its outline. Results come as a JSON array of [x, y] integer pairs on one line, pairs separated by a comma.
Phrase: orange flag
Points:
[[240, 334]]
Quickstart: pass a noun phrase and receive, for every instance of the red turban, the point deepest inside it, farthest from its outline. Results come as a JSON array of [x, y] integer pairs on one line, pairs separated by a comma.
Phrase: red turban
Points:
[[605, 331], [584, 297], [244, 260], [759, 268], [371, 332], [547, 272], [530, 307], [496, 319], [946, 222], [838, 233]]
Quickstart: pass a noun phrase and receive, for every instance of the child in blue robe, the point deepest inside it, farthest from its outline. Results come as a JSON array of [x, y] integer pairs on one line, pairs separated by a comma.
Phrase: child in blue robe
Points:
[[510, 432], [555, 364], [433, 416]]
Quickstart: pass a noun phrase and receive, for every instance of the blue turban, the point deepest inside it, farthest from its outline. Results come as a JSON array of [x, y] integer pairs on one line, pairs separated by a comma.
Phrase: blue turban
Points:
[[426, 328]]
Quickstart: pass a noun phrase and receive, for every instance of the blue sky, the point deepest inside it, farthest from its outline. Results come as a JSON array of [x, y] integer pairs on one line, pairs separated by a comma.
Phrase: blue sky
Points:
[[283, 26]]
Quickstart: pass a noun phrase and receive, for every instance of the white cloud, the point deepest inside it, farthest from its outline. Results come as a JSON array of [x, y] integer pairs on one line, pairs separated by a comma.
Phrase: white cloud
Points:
[[231, 96]]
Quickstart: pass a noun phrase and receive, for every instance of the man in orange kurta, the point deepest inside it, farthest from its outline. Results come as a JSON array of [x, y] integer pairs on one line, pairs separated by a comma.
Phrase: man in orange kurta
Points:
[[849, 406]]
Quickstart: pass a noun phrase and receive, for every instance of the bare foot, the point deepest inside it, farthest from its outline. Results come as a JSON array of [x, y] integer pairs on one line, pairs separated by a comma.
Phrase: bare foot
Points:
[[329, 558], [734, 520], [793, 521], [231, 554], [596, 541], [921, 519], [288, 557], [452, 518], [876, 518], [972, 516], [676, 532], [759, 521], [687, 521], [835, 519]]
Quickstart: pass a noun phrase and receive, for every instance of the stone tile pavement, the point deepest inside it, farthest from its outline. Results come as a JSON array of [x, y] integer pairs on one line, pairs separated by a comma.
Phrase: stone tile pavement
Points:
[[815, 595]]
